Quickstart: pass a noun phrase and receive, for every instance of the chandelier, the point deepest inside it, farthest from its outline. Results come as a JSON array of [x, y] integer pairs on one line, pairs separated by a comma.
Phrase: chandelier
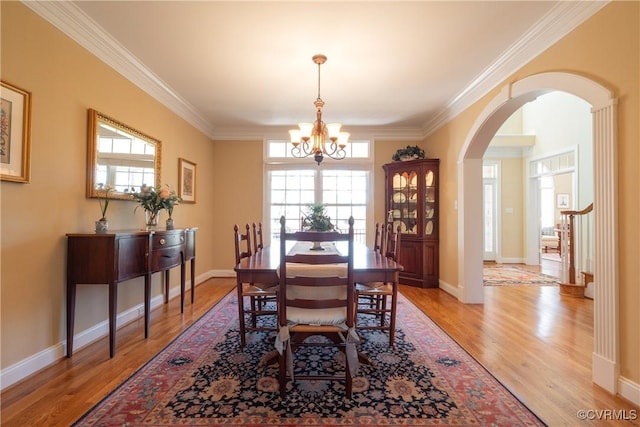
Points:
[[318, 139]]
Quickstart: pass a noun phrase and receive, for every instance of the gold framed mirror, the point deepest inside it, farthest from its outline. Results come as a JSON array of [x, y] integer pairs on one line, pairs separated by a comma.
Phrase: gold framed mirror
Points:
[[120, 157]]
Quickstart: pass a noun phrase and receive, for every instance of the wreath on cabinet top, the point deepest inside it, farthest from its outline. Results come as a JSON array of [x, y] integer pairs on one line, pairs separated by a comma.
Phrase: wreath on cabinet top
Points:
[[410, 152]]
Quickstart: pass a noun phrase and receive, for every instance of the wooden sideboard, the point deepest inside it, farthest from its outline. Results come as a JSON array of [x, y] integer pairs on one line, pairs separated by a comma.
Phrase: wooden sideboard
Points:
[[118, 256]]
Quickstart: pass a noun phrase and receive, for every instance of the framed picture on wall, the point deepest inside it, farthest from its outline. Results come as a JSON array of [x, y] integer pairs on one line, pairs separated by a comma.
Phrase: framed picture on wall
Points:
[[562, 201], [186, 180], [15, 125]]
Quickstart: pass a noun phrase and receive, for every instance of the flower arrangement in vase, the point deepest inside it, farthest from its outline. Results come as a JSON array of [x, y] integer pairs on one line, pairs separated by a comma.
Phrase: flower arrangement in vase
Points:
[[153, 201], [102, 225]]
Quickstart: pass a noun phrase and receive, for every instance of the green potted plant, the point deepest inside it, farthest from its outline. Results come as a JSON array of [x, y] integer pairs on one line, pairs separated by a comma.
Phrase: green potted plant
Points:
[[410, 152], [102, 225], [315, 218]]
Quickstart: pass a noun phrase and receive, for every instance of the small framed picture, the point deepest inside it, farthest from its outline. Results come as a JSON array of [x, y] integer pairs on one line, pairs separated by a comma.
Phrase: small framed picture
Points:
[[187, 180], [15, 125], [562, 201]]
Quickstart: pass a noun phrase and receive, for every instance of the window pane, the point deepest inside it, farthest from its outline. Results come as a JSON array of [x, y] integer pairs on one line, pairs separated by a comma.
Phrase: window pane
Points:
[[359, 149], [277, 149]]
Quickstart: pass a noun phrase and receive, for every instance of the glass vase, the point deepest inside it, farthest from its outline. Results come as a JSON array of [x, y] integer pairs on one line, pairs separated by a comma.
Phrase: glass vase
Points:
[[152, 219]]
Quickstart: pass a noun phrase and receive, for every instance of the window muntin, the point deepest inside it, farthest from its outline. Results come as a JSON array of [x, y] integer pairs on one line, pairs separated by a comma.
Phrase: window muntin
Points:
[[343, 186]]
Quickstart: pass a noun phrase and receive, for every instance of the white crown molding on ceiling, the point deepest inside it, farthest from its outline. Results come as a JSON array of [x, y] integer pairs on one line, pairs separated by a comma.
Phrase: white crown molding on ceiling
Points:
[[72, 21], [76, 24], [378, 133], [558, 22]]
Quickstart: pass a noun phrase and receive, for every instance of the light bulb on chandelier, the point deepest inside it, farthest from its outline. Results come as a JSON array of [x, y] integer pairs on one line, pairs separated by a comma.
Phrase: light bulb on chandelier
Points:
[[318, 139]]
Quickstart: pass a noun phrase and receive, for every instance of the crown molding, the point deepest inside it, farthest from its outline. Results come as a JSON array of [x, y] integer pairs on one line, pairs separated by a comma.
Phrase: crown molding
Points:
[[378, 133], [563, 18], [76, 24], [71, 20]]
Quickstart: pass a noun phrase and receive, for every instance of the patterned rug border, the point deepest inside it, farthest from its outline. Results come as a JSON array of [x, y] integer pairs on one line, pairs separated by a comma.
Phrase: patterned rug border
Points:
[[546, 279], [324, 422]]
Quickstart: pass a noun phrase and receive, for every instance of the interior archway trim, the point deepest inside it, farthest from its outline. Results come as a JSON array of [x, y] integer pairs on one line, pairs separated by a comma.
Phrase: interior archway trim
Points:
[[605, 366]]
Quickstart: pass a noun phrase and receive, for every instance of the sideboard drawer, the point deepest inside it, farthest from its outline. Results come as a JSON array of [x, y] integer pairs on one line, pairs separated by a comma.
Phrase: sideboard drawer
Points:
[[167, 239], [162, 259]]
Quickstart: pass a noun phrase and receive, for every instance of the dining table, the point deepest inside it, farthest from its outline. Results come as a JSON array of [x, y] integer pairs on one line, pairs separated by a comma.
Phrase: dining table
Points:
[[368, 266]]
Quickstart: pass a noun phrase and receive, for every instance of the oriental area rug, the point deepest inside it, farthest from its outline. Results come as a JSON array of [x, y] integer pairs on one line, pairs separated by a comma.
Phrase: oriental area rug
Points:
[[204, 378], [511, 275]]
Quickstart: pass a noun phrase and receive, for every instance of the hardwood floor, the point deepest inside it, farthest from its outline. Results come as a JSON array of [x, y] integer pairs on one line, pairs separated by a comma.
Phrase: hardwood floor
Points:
[[535, 342]]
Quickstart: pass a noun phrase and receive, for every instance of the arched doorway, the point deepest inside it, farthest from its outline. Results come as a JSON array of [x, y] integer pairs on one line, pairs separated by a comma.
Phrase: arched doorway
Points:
[[605, 361]]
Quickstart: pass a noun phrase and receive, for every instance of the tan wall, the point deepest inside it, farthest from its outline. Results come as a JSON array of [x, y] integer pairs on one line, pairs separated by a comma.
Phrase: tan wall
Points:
[[606, 49], [65, 80], [238, 178]]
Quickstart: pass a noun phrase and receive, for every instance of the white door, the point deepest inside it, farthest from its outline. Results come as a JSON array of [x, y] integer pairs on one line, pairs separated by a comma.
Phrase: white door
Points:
[[490, 210]]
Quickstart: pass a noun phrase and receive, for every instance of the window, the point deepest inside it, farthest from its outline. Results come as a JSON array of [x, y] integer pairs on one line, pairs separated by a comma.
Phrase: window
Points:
[[560, 163], [343, 186]]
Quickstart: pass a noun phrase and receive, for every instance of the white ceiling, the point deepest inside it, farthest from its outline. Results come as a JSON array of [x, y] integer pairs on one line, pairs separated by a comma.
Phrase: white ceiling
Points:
[[237, 69]]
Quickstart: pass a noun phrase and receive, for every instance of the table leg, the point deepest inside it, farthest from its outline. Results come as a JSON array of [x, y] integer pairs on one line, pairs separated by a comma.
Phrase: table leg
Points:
[[392, 321], [71, 314], [167, 282], [182, 286], [193, 280], [147, 303], [113, 296]]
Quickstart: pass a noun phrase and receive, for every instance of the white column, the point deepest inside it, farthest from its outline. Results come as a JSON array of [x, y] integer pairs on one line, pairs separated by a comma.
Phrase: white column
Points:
[[470, 232], [605, 310]]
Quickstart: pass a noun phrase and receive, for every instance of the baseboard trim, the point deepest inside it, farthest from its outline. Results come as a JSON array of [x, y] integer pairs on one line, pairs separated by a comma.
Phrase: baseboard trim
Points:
[[602, 369], [47, 357], [449, 288], [629, 390]]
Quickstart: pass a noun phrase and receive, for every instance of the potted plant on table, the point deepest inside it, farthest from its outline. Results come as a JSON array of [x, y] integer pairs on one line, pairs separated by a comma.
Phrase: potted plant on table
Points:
[[315, 218], [102, 225]]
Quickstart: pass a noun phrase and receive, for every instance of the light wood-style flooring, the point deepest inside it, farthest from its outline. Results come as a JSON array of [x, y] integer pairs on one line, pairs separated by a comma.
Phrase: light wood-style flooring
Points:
[[535, 342]]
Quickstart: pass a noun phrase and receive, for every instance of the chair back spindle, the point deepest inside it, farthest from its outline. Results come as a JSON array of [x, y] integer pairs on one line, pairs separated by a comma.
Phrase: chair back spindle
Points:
[[258, 243], [242, 243]]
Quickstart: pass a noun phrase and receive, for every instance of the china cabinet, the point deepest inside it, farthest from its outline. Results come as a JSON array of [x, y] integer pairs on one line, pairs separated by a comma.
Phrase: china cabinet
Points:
[[412, 203]]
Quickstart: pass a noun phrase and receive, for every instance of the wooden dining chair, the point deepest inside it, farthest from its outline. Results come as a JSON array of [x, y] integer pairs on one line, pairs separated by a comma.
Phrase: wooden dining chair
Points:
[[379, 298], [316, 297], [258, 243], [377, 238], [258, 295]]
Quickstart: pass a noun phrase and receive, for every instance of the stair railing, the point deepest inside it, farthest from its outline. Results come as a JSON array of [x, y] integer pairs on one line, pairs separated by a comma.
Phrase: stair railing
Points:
[[571, 242]]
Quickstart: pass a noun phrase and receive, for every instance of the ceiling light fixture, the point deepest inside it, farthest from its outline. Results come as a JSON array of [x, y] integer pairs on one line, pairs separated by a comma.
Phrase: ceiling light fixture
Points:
[[316, 138]]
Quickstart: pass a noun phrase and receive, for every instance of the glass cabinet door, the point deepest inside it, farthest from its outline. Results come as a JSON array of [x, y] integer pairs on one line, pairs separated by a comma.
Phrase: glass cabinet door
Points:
[[430, 203], [404, 201]]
